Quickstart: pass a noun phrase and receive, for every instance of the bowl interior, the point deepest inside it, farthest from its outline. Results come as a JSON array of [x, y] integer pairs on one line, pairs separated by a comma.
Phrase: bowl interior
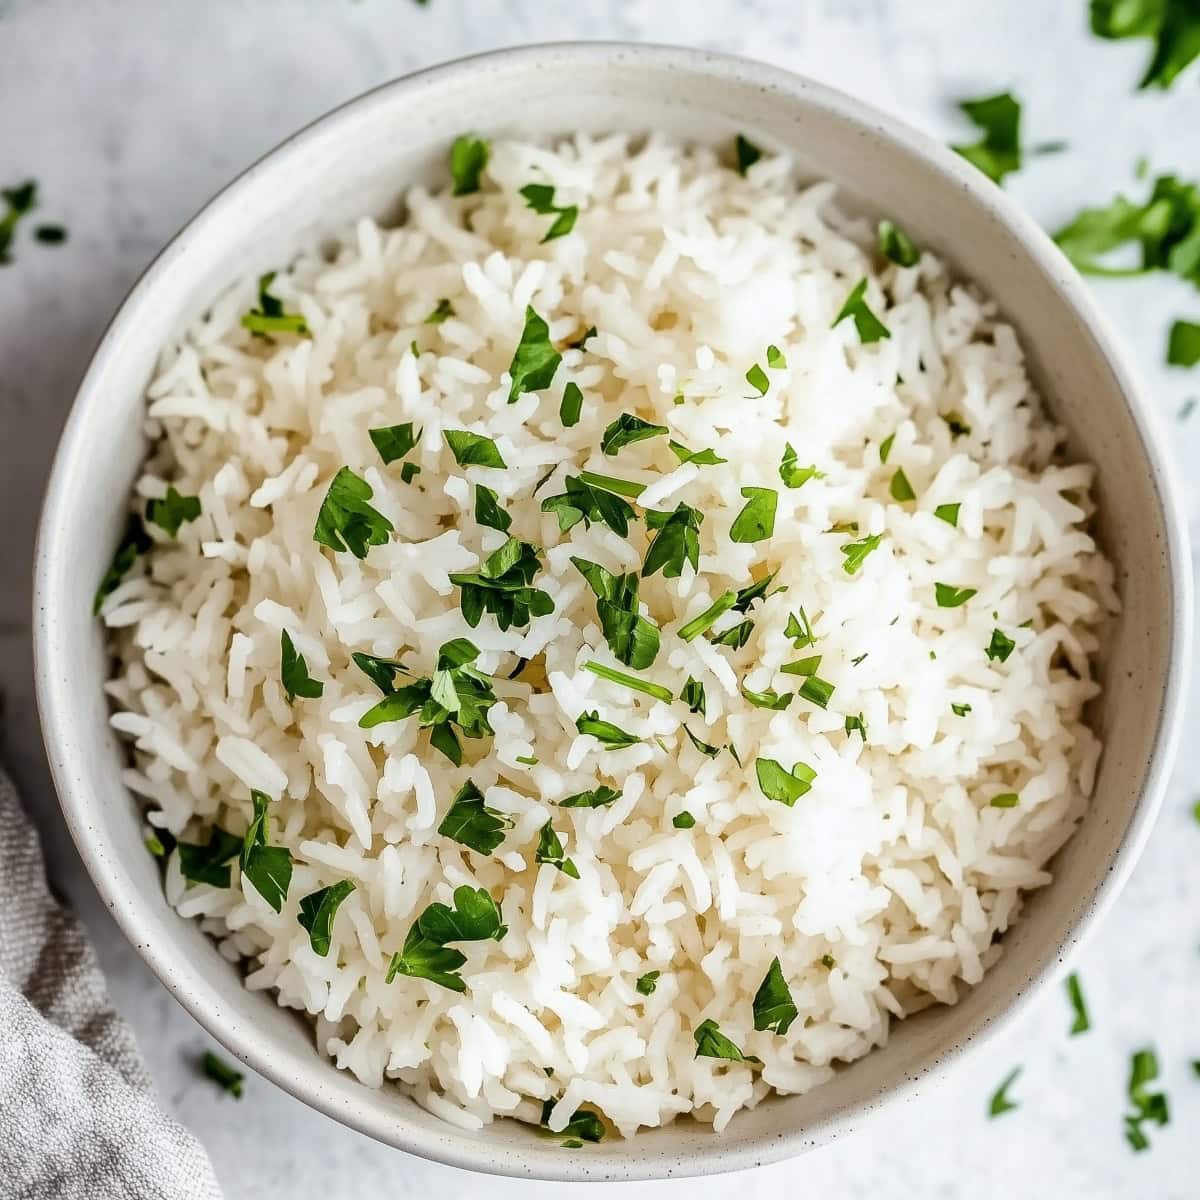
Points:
[[359, 161]]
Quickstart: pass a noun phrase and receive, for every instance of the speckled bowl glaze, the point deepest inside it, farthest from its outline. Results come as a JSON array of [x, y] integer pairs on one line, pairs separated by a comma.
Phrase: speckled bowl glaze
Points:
[[358, 160]]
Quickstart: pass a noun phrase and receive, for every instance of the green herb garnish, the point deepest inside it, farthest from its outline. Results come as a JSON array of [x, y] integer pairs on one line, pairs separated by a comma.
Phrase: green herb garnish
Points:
[[609, 483], [540, 197], [535, 359], [756, 377], [677, 540], [408, 472], [134, 542], [208, 863], [1173, 24], [896, 245], [756, 521], [394, 441], [735, 637], [683, 820], [1081, 1022], [998, 152], [571, 407], [1147, 1106], [779, 784], [222, 1074], [705, 621], [747, 153], [269, 317], [856, 552], [1000, 647], [475, 917], [702, 458], [1005, 800], [870, 327], [712, 1043], [885, 447], [1000, 1103], [583, 1126], [900, 489], [693, 696], [442, 311], [799, 630], [599, 797], [802, 666], [949, 596], [473, 449], [579, 342], [468, 157], [1183, 345], [960, 710], [633, 639], [794, 475], [610, 736], [948, 513], [172, 510], [503, 587], [859, 723], [380, 671], [471, 823], [774, 1008], [647, 983], [346, 521], [317, 911], [628, 429], [50, 235], [550, 851], [585, 502], [768, 699], [293, 672], [630, 681], [488, 511], [704, 748], [267, 867], [19, 201]]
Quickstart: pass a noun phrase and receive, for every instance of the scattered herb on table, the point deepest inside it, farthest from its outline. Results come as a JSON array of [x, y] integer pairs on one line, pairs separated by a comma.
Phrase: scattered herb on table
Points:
[[19, 201], [1183, 344], [1081, 1022], [227, 1078], [1173, 24], [998, 152], [1000, 1102], [1148, 1107]]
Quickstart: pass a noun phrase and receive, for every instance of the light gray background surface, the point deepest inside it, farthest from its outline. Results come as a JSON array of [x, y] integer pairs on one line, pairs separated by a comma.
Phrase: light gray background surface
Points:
[[131, 113]]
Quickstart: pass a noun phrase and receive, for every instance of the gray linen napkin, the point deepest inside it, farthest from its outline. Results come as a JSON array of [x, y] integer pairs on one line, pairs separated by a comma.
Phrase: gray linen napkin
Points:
[[78, 1118]]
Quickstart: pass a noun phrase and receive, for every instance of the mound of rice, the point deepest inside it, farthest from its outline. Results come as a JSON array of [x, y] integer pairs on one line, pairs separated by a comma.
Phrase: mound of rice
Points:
[[881, 890]]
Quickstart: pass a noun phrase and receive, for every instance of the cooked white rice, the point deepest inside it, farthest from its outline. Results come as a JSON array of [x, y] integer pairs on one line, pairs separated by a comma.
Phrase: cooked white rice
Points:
[[883, 889]]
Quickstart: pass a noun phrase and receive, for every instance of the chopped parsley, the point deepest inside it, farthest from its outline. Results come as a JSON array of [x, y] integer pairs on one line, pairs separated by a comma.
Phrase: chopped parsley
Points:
[[609, 483], [794, 475], [1000, 1102], [583, 1126], [779, 784], [756, 521], [442, 311], [949, 596], [19, 201], [870, 327], [746, 152], [855, 553], [550, 852], [774, 1008], [799, 630], [828, 961], [998, 152], [380, 671], [610, 736], [693, 696], [900, 489], [960, 710], [208, 863], [885, 447], [468, 157], [630, 681], [317, 911], [267, 867], [1005, 800], [633, 639], [677, 540], [776, 359], [1147, 1106], [579, 342], [756, 377], [1173, 24], [768, 699], [488, 511], [647, 983], [471, 823], [408, 472], [1183, 344], [535, 359], [394, 441], [802, 666], [712, 1043], [735, 637], [705, 621], [599, 797], [172, 510], [571, 407], [269, 317], [896, 245], [134, 542], [1000, 647], [702, 458], [473, 449], [540, 197], [293, 672], [346, 521], [160, 843], [626, 430], [503, 587], [227, 1078], [583, 501], [1080, 1022], [948, 513], [527, 760], [683, 820], [475, 917]]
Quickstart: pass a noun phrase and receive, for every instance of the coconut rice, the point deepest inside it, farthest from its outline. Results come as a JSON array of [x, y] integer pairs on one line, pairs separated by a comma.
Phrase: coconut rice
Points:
[[944, 771]]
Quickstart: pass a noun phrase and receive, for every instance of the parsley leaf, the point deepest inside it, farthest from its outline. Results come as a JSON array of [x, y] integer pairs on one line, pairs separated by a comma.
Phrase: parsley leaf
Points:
[[134, 542], [1081, 1022], [1183, 345], [948, 513], [683, 820], [610, 736], [647, 983], [172, 510], [380, 671], [346, 521], [802, 666], [755, 591], [471, 823], [550, 851], [442, 311], [747, 153], [609, 483], [317, 911], [657, 691], [1174, 25], [870, 327], [394, 441], [628, 429], [269, 868], [502, 587], [1000, 647], [475, 917], [702, 458], [756, 521], [712, 1043], [704, 748], [488, 511], [585, 502], [960, 710], [799, 630], [633, 639], [998, 152], [705, 621], [779, 784], [473, 449], [949, 596], [269, 317], [208, 863], [794, 475], [293, 671], [583, 1126], [408, 472], [598, 797], [693, 696], [19, 200], [1005, 800], [468, 157], [535, 359], [900, 489], [540, 197], [1147, 1105], [856, 552], [774, 1008], [756, 377], [572, 405], [222, 1074], [735, 637], [768, 699], [677, 540], [1000, 1103], [896, 245]]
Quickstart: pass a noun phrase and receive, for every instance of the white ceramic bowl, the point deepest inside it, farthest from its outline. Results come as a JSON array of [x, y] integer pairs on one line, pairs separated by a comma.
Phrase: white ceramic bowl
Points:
[[358, 160]]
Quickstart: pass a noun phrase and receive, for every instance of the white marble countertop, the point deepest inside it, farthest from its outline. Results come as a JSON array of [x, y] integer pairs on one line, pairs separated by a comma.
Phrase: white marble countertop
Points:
[[130, 113]]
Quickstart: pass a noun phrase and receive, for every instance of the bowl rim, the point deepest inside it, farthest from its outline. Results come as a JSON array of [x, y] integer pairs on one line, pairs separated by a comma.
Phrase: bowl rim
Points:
[[464, 1148]]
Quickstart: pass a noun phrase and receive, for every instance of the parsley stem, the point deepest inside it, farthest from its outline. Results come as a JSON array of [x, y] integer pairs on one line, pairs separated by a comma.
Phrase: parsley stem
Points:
[[607, 483], [697, 625], [630, 681]]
